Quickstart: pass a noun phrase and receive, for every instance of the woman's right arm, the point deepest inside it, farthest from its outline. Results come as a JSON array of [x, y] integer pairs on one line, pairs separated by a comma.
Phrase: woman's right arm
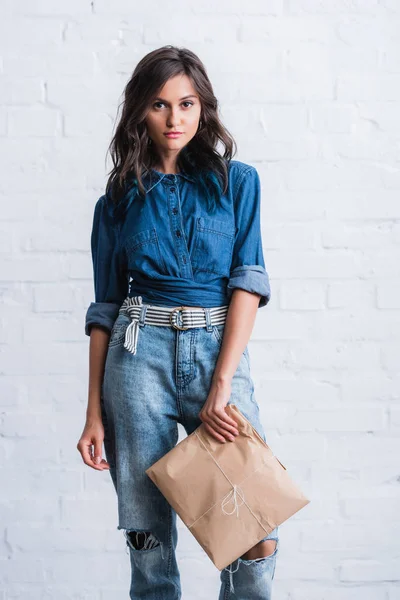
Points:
[[91, 441], [98, 346], [110, 286]]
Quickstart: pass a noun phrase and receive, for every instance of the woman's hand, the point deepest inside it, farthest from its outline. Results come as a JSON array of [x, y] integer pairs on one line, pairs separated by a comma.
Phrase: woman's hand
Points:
[[216, 420], [92, 438]]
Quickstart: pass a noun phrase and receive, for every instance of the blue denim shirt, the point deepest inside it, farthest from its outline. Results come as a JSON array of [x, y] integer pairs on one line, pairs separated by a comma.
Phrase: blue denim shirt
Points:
[[171, 251]]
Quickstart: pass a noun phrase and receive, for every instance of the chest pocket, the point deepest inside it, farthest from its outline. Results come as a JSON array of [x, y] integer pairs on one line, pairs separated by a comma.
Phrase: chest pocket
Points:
[[143, 254], [213, 246]]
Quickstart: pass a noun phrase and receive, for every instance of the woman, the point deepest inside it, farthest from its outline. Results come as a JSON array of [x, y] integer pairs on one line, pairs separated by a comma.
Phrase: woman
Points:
[[179, 274]]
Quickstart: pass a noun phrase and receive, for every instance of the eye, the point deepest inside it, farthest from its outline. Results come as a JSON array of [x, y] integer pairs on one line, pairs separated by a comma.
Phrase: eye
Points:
[[159, 102]]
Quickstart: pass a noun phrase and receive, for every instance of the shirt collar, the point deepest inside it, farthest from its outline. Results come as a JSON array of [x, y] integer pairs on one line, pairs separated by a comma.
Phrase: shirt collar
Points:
[[151, 177]]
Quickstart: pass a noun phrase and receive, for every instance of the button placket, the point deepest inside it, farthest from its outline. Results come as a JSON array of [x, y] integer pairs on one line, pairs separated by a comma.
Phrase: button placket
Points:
[[178, 231]]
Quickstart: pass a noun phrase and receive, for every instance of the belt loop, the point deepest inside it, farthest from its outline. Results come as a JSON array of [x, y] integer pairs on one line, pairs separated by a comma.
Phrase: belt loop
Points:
[[208, 319], [142, 315]]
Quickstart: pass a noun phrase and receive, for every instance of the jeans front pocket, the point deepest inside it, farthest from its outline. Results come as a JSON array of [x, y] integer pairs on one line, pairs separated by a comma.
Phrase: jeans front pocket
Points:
[[117, 335], [143, 254], [213, 246], [218, 332]]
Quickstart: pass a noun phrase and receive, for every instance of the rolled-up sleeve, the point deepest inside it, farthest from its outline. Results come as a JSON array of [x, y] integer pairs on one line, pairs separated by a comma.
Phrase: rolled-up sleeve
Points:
[[248, 268], [110, 283]]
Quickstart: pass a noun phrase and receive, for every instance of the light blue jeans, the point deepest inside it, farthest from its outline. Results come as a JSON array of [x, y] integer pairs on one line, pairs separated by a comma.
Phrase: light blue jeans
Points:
[[144, 397]]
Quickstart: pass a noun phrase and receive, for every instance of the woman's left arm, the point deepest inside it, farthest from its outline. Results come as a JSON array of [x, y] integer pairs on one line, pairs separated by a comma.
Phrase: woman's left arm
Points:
[[239, 325], [248, 289]]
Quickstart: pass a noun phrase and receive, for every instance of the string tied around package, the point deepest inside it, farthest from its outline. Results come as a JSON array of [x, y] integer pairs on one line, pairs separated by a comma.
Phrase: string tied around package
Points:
[[232, 495]]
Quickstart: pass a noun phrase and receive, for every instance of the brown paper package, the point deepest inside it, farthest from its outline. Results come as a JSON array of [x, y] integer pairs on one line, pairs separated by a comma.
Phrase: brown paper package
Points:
[[230, 496]]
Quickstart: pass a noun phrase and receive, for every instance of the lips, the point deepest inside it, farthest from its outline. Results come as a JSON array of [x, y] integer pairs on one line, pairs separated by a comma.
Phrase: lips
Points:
[[173, 134]]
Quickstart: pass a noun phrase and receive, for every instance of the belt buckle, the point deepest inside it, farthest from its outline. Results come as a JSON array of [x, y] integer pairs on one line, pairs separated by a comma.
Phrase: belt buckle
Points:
[[175, 325]]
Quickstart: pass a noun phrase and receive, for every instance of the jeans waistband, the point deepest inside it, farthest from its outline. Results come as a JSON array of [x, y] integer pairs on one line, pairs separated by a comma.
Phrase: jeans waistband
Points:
[[178, 317]]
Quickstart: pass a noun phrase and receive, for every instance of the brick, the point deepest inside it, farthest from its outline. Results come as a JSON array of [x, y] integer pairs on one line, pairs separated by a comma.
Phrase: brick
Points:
[[333, 7], [370, 570], [34, 122], [351, 418], [388, 295], [302, 296]]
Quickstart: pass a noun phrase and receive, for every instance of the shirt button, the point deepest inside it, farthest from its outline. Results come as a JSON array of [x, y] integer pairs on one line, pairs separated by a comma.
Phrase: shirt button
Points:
[[172, 189], [174, 210], [178, 233]]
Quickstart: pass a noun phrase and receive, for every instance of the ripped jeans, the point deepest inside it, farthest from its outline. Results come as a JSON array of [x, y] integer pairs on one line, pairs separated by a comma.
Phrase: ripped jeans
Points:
[[144, 397]]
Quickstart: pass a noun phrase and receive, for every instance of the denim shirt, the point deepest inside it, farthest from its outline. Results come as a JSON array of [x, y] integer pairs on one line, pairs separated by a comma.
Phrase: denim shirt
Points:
[[171, 251]]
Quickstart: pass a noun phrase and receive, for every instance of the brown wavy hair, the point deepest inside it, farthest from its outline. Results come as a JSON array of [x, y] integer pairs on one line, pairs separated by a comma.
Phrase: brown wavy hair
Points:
[[130, 147]]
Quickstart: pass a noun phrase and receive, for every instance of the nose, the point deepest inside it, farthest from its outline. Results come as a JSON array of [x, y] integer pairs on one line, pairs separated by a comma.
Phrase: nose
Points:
[[173, 119]]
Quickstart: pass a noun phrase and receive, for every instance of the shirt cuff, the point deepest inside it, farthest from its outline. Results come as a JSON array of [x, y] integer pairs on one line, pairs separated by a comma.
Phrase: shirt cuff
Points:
[[102, 314], [252, 278]]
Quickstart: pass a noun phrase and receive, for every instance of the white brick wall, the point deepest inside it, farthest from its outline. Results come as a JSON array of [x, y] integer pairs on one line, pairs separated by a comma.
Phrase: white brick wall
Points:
[[311, 91]]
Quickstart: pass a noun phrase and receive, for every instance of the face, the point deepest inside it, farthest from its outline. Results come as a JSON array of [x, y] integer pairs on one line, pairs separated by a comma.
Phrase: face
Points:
[[175, 108]]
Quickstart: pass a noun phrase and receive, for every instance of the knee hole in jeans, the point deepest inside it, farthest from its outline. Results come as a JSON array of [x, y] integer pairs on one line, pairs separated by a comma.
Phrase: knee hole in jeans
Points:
[[260, 548], [141, 540]]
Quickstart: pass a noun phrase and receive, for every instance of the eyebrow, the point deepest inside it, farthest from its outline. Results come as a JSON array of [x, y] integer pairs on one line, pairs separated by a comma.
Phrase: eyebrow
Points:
[[183, 98]]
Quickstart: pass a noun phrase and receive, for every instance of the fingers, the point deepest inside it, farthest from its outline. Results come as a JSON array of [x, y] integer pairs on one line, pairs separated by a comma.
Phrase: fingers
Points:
[[214, 434], [222, 419], [97, 451], [85, 448], [96, 456], [218, 423]]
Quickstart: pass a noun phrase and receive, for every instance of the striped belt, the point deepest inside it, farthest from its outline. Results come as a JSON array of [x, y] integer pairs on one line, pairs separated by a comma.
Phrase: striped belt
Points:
[[178, 317]]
